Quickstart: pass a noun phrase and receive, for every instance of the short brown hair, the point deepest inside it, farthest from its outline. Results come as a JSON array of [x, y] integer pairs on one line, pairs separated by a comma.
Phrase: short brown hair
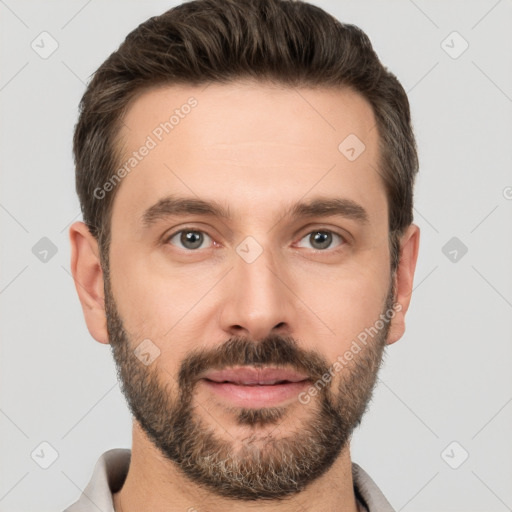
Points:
[[289, 42]]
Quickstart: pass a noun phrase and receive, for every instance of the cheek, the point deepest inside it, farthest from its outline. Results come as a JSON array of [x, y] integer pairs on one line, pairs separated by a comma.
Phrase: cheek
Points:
[[342, 306], [347, 308], [160, 304], [165, 302]]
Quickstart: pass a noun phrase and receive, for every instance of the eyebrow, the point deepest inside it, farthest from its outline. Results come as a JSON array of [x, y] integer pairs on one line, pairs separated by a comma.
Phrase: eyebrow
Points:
[[321, 207]]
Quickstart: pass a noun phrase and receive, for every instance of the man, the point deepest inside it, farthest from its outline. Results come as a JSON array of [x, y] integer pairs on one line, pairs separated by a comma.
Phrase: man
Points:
[[245, 170]]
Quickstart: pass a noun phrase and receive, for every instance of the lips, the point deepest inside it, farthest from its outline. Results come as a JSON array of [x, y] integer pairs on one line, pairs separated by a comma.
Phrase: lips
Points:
[[250, 376]]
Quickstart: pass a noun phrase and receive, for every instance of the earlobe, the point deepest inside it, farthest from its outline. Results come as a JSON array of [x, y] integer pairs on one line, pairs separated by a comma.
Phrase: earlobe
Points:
[[404, 277], [88, 277]]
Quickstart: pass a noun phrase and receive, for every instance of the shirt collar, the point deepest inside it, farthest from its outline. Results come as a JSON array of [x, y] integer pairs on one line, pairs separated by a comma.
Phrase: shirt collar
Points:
[[367, 491], [112, 467]]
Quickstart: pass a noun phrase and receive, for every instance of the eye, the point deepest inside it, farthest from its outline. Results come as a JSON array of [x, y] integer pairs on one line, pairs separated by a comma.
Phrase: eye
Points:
[[322, 239], [189, 239]]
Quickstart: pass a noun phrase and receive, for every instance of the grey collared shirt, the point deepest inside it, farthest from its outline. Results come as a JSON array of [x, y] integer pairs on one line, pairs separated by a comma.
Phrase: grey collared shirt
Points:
[[112, 467]]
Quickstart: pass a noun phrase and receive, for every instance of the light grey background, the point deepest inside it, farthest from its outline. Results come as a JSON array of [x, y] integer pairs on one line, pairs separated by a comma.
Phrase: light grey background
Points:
[[448, 379]]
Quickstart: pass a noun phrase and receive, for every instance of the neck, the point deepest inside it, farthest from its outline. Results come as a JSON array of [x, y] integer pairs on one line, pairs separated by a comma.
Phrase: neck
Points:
[[155, 483]]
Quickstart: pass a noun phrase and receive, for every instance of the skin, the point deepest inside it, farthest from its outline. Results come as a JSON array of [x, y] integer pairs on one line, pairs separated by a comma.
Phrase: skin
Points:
[[256, 149]]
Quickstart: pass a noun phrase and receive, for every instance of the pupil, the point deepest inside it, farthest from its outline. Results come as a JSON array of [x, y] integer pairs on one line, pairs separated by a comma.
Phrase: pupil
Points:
[[322, 239], [191, 239]]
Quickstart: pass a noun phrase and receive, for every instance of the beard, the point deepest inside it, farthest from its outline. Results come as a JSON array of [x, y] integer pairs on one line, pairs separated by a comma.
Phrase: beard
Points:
[[263, 465]]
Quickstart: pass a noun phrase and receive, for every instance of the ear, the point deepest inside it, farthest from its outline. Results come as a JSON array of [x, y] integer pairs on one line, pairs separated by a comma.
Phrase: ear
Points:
[[88, 276], [404, 277]]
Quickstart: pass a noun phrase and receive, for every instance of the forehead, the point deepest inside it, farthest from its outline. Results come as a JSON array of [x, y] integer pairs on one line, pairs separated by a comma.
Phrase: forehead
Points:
[[247, 145]]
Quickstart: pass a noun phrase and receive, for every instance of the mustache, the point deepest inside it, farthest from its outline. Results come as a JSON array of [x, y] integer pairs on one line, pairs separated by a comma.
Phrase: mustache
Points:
[[274, 350]]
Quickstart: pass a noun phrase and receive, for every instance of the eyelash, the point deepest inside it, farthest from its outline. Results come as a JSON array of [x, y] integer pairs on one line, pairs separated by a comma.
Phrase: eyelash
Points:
[[319, 230]]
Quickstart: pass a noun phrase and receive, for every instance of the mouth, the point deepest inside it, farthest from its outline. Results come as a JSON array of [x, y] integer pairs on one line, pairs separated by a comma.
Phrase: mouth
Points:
[[250, 376], [251, 387]]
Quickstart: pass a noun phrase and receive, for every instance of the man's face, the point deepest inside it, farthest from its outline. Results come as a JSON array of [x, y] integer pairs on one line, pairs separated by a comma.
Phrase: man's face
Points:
[[274, 295]]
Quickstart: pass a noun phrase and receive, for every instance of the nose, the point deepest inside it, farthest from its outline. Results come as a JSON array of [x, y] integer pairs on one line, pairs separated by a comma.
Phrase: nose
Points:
[[257, 301]]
